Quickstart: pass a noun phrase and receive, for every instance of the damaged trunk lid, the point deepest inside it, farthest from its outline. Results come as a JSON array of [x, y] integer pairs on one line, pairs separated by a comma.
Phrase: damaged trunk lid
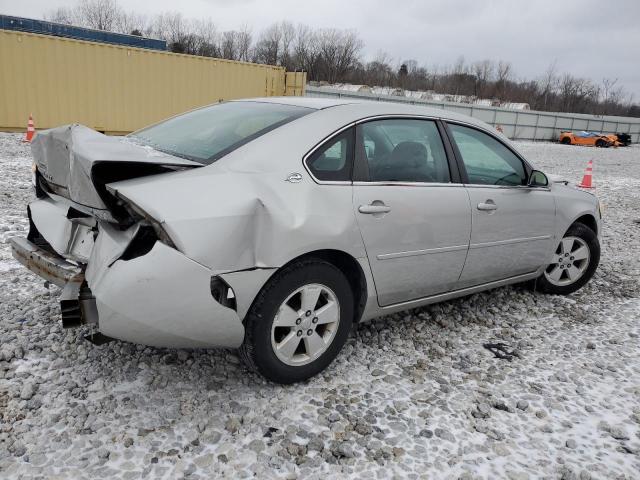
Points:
[[76, 162]]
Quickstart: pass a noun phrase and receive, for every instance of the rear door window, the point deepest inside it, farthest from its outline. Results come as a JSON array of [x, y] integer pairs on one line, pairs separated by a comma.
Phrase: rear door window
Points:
[[333, 160], [404, 150]]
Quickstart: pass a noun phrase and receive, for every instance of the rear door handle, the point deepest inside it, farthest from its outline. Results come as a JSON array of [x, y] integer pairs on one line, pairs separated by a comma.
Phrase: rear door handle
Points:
[[372, 209], [487, 206]]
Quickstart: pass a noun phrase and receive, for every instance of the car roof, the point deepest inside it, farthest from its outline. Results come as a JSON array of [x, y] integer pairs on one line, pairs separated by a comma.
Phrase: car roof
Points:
[[370, 107]]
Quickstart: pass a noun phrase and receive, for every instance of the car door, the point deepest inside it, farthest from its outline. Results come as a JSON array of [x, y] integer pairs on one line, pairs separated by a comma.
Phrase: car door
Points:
[[512, 223], [413, 214]]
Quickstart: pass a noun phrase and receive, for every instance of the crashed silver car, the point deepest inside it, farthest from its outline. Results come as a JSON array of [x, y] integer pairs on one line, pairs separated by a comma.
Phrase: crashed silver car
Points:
[[274, 225]]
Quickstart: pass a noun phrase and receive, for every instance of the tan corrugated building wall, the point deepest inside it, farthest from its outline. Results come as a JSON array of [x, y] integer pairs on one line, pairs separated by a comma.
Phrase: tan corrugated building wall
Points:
[[118, 89]]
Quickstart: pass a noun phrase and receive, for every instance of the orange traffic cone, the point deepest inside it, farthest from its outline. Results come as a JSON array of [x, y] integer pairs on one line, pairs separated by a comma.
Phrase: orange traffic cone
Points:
[[31, 130], [586, 179]]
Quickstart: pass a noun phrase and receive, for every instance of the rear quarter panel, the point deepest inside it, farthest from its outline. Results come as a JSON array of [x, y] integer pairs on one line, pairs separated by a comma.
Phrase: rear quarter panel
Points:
[[241, 212]]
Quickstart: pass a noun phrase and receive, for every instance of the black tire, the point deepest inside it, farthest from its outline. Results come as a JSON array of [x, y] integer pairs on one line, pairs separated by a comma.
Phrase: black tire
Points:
[[565, 141], [590, 238], [257, 351], [601, 143]]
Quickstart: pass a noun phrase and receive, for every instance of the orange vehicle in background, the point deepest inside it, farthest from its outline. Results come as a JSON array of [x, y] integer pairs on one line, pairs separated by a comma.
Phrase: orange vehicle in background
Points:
[[591, 139]]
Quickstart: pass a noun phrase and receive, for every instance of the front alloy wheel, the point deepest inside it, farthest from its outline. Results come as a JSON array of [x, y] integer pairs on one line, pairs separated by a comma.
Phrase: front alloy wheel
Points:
[[569, 263], [573, 262]]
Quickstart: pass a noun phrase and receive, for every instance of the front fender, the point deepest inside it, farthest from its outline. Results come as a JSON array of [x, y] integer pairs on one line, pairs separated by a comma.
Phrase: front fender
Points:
[[571, 204]]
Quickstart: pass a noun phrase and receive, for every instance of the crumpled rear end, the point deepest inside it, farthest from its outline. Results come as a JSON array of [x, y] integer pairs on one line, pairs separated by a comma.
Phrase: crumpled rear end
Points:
[[136, 290]]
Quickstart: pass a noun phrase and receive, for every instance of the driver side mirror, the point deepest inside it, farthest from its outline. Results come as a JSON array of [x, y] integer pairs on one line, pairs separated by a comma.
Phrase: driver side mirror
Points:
[[538, 179]]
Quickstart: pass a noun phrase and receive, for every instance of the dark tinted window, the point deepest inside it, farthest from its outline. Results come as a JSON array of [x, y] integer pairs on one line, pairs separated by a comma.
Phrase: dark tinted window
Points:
[[333, 160], [404, 150], [487, 161], [206, 134]]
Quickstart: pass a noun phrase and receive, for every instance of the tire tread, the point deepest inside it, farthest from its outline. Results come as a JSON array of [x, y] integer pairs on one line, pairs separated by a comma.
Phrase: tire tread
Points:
[[246, 350]]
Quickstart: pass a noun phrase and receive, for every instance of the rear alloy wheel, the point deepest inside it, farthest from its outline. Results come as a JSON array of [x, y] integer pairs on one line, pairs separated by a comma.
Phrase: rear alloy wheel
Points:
[[601, 143], [566, 141], [305, 324], [573, 263], [299, 322]]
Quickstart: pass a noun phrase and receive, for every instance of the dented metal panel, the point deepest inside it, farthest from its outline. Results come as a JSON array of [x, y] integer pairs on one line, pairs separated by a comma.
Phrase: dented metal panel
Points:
[[71, 238], [109, 246], [66, 157], [162, 299]]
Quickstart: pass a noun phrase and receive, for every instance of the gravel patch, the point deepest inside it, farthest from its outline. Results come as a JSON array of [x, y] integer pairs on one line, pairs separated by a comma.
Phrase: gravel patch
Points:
[[413, 395]]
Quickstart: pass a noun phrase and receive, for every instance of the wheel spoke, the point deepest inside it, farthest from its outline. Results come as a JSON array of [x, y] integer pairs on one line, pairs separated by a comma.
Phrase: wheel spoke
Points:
[[286, 317], [555, 274], [309, 298], [573, 272], [314, 344], [287, 347], [581, 253], [327, 313], [567, 245]]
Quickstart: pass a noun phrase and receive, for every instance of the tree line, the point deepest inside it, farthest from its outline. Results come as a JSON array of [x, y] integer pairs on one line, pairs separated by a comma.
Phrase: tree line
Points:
[[335, 55]]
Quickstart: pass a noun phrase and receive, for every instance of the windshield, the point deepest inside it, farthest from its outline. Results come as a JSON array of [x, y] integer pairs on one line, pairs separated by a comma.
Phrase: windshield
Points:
[[209, 133]]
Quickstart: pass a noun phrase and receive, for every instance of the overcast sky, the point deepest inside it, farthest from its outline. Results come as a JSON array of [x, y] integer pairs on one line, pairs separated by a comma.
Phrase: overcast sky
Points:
[[589, 38]]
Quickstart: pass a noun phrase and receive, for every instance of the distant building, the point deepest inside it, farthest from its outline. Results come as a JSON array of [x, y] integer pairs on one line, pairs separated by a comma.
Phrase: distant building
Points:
[[428, 95]]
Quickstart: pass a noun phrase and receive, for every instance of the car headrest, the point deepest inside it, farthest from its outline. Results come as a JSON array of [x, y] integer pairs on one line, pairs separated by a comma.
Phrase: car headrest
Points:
[[409, 154]]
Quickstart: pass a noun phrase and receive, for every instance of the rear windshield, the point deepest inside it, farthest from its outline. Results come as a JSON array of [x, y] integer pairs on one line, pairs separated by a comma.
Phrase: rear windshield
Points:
[[209, 133]]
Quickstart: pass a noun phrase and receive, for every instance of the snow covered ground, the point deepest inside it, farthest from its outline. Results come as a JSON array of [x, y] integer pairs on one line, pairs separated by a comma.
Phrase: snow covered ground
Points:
[[413, 395]]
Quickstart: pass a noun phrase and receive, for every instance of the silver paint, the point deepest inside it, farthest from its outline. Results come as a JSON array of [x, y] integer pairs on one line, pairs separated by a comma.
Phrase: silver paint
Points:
[[238, 219]]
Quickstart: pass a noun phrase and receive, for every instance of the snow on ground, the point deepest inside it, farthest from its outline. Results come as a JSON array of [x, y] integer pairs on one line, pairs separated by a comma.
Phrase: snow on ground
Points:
[[413, 395]]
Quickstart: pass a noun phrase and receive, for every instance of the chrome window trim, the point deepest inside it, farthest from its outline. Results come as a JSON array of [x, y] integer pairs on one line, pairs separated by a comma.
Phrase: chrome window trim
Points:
[[511, 187], [407, 184], [392, 116], [320, 144], [329, 137]]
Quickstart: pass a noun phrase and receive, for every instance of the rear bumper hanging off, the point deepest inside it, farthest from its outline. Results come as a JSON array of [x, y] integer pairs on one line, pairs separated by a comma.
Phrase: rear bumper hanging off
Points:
[[77, 304], [161, 298], [49, 266]]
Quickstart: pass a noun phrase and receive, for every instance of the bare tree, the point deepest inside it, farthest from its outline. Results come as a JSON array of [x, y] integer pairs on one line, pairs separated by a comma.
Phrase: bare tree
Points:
[[483, 72], [288, 35], [339, 51], [548, 85], [62, 15], [503, 75], [229, 46], [99, 14], [268, 48], [306, 51], [244, 43], [129, 22]]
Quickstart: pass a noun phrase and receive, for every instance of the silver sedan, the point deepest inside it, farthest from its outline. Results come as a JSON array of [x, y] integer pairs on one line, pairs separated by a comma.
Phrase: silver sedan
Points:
[[274, 225]]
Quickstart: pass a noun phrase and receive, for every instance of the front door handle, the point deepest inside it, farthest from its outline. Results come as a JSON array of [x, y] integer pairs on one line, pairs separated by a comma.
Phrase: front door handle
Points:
[[374, 208], [489, 205]]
